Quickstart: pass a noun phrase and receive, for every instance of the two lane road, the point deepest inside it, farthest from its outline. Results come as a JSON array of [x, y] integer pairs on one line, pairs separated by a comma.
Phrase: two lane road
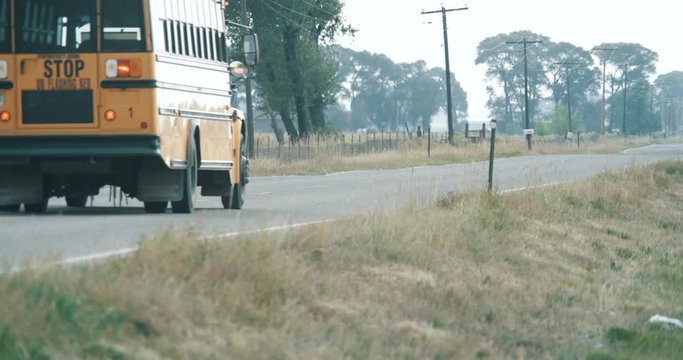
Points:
[[274, 202]]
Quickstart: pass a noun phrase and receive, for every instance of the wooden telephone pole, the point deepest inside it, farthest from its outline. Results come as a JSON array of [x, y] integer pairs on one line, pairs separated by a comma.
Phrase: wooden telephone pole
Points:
[[526, 85], [566, 65], [604, 84], [449, 91]]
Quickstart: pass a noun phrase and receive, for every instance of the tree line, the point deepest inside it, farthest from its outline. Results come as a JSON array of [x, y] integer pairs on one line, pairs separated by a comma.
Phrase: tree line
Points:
[[562, 75], [302, 73], [304, 78]]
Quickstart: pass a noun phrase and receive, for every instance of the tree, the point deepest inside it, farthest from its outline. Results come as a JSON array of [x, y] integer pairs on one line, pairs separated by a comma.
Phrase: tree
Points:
[[629, 67], [505, 68], [294, 75], [385, 95], [669, 98], [570, 68]]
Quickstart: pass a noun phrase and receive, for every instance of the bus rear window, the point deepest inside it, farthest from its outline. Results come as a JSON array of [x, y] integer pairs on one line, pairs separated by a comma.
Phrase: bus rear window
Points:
[[5, 40], [55, 26], [122, 26]]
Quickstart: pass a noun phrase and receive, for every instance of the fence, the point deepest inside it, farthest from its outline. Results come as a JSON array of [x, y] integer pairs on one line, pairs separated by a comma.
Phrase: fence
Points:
[[340, 145], [352, 144]]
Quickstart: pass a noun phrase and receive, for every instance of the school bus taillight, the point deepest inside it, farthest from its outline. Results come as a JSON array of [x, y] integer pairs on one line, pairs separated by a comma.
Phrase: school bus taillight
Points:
[[5, 116], [123, 68], [110, 115], [3, 69]]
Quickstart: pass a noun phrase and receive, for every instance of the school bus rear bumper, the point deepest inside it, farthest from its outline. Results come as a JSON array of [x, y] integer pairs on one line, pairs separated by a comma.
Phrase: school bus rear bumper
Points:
[[78, 146]]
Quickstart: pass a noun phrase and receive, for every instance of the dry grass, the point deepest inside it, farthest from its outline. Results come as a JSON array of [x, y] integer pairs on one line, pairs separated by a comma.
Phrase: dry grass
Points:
[[552, 273], [414, 153]]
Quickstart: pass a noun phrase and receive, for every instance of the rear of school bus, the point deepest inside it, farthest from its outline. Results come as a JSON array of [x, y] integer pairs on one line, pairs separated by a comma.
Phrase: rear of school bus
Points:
[[78, 106]]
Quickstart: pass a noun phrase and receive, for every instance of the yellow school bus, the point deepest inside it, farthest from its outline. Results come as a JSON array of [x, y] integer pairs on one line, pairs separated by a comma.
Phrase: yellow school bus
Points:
[[129, 93]]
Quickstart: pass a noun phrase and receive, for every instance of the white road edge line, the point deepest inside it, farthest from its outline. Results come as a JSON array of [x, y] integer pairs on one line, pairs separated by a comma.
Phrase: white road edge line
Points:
[[122, 253], [266, 230], [534, 187]]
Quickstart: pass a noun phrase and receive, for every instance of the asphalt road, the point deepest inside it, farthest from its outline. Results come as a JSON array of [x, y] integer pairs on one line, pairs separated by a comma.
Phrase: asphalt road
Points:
[[273, 202]]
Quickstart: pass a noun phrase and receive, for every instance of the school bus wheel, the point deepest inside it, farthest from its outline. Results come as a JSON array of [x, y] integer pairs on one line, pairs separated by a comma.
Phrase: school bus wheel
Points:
[[76, 201], [36, 208], [186, 205], [10, 208], [156, 207], [236, 199]]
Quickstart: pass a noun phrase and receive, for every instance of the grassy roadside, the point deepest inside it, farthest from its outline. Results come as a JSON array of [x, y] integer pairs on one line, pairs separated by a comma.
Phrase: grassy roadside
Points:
[[415, 154], [567, 272]]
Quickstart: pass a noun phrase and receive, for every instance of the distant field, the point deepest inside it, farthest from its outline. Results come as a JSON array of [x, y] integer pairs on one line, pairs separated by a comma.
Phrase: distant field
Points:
[[320, 155], [568, 272]]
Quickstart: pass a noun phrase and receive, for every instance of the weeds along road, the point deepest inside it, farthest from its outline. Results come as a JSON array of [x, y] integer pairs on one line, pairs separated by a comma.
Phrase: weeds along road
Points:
[[275, 202]]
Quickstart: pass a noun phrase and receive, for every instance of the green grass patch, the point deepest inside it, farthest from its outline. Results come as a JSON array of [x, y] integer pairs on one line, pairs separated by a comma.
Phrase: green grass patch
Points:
[[650, 343]]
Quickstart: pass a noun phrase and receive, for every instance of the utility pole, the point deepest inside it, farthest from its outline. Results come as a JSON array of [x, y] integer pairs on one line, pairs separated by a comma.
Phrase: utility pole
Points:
[[248, 90], [623, 126], [449, 91], [604, 84], [566, 65], [526, 86], [661, 111]]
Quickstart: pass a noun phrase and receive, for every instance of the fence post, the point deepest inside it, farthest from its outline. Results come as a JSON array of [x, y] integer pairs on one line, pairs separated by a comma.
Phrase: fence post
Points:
[[258, 143], [352, 150], [367, 142], [492, 154], [429, 142]]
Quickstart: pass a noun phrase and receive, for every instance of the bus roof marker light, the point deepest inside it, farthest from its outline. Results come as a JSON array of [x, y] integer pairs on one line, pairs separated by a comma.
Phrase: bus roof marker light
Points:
[[3, 69]]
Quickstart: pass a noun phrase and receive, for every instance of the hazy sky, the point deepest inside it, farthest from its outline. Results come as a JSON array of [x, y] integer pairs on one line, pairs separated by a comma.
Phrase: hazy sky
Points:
[[396, 28]]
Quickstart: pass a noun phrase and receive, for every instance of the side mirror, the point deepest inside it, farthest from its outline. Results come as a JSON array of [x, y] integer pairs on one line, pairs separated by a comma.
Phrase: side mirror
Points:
[[251, 49]]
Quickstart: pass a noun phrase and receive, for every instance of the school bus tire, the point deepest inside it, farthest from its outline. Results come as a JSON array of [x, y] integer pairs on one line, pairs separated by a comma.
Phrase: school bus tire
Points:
[[186, 205], [36, 208], [236, 201], [10, 208], [239, 189], [76, 201], [156, 207]]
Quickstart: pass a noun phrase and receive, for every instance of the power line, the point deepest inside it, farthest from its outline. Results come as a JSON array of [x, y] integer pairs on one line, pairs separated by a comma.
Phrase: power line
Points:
[[293, 11], [315, 6], [287, 18], [500, 46]]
